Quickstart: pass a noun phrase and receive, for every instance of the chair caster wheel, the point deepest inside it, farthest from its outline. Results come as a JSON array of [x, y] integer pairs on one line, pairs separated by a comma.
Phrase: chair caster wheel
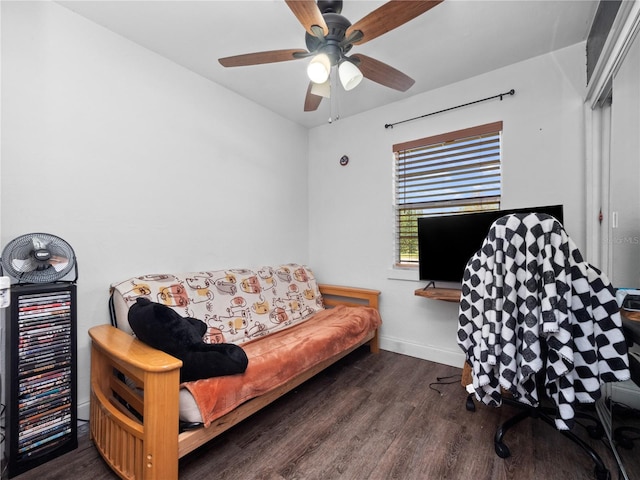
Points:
[[470, 405], [502, 450]]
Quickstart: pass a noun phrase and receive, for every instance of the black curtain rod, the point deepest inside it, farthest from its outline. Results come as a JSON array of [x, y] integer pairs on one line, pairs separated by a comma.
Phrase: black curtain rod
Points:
[[500, 95]]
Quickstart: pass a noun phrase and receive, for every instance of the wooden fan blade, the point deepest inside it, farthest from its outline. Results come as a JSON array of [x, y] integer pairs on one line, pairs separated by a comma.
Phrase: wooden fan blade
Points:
[[262, 57], [311, 101], [389, 16], [308, 14], [382, 73]]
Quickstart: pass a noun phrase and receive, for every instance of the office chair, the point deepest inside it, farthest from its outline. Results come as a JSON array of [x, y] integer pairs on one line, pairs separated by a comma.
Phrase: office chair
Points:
[[536, 320]]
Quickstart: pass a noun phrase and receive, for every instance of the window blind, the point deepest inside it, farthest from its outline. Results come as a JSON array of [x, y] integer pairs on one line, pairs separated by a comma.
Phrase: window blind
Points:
[[457, 172]]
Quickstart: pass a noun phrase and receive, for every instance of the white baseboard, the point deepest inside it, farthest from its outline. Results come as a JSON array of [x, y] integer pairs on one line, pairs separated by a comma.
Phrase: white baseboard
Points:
[[83, 411], [425, 352]]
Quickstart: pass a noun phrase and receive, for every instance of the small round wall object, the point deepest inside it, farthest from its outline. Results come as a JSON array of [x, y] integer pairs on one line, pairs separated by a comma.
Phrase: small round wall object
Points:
[[344, 160]]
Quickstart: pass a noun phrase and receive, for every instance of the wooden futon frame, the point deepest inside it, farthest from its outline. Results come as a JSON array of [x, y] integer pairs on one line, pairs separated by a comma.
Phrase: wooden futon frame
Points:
[[147, 445]]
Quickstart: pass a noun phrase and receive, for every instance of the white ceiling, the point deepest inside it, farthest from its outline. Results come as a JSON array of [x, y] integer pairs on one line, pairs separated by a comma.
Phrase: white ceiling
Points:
[[456, 40]]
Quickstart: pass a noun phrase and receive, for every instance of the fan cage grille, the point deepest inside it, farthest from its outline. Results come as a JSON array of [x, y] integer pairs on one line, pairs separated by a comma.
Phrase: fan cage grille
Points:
[[20, 262]]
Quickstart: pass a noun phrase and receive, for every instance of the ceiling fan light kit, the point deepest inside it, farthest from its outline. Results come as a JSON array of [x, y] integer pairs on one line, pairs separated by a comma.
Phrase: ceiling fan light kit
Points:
[[319, 68], [321, 89], [350, 75], [329, 37]]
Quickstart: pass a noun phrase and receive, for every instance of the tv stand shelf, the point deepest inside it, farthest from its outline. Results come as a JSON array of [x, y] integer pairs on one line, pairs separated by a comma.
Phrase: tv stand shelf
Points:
[[445, 294]]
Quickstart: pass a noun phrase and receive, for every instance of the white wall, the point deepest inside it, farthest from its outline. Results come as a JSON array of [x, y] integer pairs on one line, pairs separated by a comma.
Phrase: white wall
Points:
[[351, 232], [141, 165]]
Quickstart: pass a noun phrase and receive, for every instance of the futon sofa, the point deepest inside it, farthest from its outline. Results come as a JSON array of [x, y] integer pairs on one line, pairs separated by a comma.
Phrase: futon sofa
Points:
[[290, 327]]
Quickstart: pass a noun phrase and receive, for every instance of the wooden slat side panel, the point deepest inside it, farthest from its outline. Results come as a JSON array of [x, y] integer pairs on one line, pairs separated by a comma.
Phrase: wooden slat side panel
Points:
[[330, 302], [102, 395], [123, 390], [341, 294], [120, 448]]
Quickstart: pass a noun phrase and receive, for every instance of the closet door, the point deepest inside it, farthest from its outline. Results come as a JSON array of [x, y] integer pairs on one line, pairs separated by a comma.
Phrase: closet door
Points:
[[624, 181]]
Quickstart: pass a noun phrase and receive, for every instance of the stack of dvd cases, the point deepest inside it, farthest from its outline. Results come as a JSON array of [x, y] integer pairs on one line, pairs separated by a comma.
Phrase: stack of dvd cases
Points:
[[41, 409]]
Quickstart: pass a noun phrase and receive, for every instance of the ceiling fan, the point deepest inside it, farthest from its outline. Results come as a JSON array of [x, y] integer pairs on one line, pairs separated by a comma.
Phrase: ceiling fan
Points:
[[329, 38]]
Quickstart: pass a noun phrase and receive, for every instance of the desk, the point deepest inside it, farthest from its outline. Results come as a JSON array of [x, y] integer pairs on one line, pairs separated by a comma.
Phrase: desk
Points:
[[631, 327], [621, 421], [447, 295], [444, 294]]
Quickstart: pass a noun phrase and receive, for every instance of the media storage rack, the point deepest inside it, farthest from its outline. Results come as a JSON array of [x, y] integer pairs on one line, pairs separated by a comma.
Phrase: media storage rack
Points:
[[41, 375]]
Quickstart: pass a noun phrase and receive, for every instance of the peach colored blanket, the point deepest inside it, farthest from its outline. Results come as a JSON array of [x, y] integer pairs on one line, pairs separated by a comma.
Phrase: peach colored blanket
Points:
[[276, 358]]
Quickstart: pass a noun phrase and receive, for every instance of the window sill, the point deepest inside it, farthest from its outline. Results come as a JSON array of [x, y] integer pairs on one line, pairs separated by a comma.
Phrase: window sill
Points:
[[408, 274]]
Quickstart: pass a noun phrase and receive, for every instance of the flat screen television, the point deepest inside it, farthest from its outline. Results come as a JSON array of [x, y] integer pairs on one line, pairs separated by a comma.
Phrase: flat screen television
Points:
[[447, 242]]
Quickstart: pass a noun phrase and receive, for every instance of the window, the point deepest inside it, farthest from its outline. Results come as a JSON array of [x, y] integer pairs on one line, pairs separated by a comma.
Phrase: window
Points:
[[455, 172]]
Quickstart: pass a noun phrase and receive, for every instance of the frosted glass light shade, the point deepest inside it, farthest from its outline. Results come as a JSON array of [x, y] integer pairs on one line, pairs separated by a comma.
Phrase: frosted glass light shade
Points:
[[321, 89], [319, 68], [350, 75]]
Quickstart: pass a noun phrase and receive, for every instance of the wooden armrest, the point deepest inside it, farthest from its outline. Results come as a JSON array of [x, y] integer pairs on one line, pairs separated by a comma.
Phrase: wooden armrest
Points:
[[126, 350], [340, 295]]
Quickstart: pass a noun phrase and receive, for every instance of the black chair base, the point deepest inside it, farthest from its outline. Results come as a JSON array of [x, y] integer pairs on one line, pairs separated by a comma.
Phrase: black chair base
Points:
[[595, 431]]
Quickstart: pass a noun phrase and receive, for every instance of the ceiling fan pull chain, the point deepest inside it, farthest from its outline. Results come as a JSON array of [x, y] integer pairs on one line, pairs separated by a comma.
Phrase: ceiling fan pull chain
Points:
[[334, 104]]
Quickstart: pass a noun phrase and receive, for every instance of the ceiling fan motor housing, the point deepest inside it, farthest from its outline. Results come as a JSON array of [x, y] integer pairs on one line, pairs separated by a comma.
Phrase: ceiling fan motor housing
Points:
[[330, 6], [331, 44]]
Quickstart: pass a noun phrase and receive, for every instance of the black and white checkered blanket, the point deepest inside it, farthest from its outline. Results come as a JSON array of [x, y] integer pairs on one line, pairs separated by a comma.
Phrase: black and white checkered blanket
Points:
[[529, 283]]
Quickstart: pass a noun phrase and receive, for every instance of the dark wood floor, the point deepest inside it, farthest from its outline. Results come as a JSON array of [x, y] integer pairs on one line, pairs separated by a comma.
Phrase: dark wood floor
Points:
[[369, 417]]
